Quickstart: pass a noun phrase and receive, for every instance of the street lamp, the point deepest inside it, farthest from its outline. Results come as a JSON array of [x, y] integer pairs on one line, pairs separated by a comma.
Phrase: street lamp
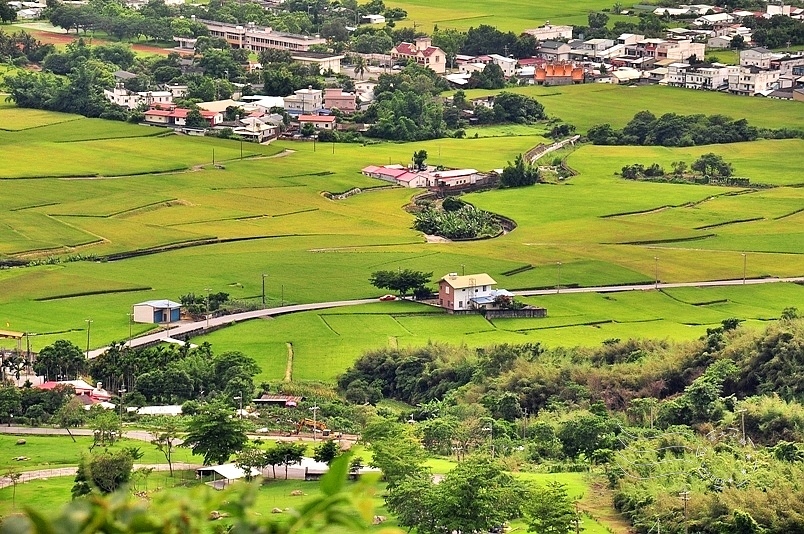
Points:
[[239, 398], [315, 409], [558, 282], [490, 430], [89, 326], [121, 391], [263, 289], [745, 260]]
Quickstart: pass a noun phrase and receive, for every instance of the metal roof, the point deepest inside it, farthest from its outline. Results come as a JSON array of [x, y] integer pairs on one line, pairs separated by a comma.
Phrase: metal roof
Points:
[[164, 303], [469, 280]]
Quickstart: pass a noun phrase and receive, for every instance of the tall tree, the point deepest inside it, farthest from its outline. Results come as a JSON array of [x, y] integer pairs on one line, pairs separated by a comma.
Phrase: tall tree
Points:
[[549, 510], [215, 434], [71, 415], [166, 438], [63, 360]]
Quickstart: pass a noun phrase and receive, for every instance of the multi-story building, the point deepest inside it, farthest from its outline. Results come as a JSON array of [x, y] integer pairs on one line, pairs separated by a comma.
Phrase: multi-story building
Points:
[[304, 101], [258, 38], [713, 78], [337, 99], [550, 32], [132, 100], [752, 81], [422, 52], [756, 57]]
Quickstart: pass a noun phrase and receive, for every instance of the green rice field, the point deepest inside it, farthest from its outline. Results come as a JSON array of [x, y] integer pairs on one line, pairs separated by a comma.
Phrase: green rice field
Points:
[[325, 343], [223, 227]]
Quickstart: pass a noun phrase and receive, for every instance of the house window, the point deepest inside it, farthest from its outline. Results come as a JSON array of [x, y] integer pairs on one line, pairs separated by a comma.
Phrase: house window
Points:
[[460, 304], [446, 290]]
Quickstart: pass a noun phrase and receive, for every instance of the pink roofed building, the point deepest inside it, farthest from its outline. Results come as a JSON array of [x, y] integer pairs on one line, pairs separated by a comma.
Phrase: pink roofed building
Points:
[[319, 122], [176, 116], [422, 52]]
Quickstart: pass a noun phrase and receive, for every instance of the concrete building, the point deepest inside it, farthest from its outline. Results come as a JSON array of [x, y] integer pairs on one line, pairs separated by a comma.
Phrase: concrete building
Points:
[[555, 51], [558, 74], [337, 99], [756, 57], [131, 100], [157, 311], [422, 52], [257, 38], [549, 32], [712, 78], [752, 81], [326, 62], [304, 101], [319, 122]]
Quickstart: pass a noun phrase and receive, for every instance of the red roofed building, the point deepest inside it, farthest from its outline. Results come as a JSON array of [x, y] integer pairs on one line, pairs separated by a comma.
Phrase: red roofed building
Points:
[[422, 52], [558, 74], [175, 116], [319, 122]]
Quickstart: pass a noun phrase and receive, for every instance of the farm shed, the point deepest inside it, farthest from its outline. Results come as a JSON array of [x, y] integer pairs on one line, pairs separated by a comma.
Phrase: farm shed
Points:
[[157, 311]]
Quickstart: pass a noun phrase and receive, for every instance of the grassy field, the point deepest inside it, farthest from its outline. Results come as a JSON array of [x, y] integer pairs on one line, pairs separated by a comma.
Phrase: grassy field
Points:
[[53, 452], [591, 104], [267, 215], [325, 343], [506, 15]]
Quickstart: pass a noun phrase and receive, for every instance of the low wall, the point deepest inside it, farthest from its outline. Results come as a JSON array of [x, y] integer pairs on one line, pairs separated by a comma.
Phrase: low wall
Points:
[[516, 314]]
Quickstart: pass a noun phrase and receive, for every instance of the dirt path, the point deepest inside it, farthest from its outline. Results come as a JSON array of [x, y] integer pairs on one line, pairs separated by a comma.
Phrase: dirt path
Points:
[[289, 366], [58, 37]]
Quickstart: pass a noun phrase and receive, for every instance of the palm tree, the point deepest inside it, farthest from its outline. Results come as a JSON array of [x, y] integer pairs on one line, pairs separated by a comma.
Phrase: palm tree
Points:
[[359, 63]]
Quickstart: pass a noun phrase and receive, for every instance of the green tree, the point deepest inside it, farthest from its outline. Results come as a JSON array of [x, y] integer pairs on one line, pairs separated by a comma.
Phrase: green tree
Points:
[[61, 359], [7, 13], [195, 119], [401, 281], [105, 425], [518, 174], [71, 415], [359, 65], [711, 164], [10, 401], [399, 454], [419, 159], [549, 510], [105, 472], [249, 459], [215, 434], [166, 438], [326, 452], [289, 453]]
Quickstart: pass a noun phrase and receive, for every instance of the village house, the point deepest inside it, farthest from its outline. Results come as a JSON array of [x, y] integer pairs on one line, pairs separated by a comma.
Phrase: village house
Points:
[[396, 174], [319, 122], [422, 52], [558, 74], [304, 101], [337, 99], [752, 81], [555, 51], [549, 32], [469, 292], [130, 100], [756, 57], [252, 129]]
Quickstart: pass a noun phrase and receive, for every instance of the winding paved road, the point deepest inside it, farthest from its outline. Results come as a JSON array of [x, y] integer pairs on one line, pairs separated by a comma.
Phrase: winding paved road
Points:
[[199, 327]]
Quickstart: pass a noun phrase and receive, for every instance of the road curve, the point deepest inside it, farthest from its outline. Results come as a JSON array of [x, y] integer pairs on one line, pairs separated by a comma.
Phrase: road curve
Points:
[[197, 327], [27, 476]]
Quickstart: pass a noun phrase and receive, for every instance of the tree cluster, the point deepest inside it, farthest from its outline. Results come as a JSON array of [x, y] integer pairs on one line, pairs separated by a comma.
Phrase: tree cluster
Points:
[[173, 375], [517, 174], [467, 222], [674, 130], [22, 44], [776, 32]]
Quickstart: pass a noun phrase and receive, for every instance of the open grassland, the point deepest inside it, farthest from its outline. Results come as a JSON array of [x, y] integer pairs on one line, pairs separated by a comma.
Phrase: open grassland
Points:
[[506, 15], [222, 228], [14, 118], [590, 104], [325, 343], [53, 452]]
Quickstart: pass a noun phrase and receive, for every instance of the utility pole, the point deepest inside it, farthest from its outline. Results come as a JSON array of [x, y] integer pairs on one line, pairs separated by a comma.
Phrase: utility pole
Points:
[[240, 398], [121, 391], [558, 282], [745, 263], [130, 322], [89, 326], [525, 424], [685, 496], [315, 409], [263, 289], [656, 272]]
